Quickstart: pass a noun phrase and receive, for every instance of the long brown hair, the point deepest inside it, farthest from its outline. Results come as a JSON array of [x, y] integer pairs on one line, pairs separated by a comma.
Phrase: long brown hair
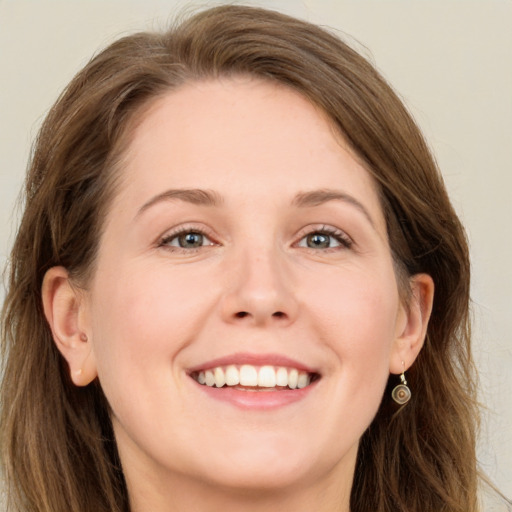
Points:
[[58, 449]]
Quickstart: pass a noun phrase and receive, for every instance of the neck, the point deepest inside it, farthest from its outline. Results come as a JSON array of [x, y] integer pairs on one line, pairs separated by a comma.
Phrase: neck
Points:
[[183, 493]]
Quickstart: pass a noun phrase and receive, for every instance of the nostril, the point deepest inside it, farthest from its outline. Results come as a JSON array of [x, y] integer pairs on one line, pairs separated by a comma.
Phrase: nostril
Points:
[[244, 314]]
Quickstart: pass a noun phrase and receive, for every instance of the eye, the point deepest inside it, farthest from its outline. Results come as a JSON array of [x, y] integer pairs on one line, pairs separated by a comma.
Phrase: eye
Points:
[[189, 239], [325, 238], [320, 241]]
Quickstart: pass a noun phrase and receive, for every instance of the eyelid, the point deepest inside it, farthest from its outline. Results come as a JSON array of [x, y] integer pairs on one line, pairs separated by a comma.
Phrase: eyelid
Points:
[[182, 229], [345, 240]]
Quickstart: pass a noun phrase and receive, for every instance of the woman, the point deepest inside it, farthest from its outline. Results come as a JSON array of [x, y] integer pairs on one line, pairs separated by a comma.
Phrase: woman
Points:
[[238, 284]]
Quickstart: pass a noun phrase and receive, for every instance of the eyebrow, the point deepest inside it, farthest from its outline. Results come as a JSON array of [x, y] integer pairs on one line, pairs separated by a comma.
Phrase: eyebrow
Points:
[[202, 197], [319, 197], [195, 196]]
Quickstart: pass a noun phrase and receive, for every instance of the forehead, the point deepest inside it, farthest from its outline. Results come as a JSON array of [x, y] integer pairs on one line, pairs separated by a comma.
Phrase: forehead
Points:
[[240, 136]]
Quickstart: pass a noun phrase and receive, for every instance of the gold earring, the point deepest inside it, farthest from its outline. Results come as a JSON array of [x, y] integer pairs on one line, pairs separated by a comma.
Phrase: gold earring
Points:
[[401, 394]]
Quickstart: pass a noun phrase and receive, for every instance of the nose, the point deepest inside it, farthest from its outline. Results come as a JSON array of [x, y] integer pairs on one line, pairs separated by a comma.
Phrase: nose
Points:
[[259, 291]]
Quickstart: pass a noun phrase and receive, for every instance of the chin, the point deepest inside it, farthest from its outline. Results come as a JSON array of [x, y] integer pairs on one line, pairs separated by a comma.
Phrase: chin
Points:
[[259, 478], [262, 468]]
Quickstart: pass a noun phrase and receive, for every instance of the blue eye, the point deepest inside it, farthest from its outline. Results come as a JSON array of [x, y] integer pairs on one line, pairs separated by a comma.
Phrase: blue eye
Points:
[[186, 240], [320, 241], [325, 239]]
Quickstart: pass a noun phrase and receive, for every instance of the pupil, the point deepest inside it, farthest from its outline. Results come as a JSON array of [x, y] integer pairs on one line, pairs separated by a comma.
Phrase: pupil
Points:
[[317, 240], [191, 240]]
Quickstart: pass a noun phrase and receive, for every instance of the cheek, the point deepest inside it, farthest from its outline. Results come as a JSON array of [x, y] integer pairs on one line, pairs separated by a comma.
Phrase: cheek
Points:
[[142, 321], [358, 311], [355, 316], [145, 314]]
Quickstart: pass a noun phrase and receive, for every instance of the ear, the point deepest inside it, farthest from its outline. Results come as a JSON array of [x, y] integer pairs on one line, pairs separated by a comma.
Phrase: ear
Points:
[[63, 308], [412, 323]]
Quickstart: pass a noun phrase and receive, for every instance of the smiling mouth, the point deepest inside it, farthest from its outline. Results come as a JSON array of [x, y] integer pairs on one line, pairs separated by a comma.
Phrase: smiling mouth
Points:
[[254, 378]]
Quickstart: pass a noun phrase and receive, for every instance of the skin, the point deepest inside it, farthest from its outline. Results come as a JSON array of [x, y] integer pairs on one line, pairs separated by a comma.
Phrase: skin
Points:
[[153, 310]]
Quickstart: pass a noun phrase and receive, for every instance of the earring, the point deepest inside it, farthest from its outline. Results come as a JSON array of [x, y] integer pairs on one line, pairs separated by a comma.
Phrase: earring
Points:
[[401, 394]]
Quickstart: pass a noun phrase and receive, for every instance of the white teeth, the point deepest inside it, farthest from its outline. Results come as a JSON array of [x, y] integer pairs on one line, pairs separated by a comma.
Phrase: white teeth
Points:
[[251, 376], [248, 375], [267, 377], [219, 377], [282, 377], [303, 380], [232, 376], [293, 377], [210, 379]]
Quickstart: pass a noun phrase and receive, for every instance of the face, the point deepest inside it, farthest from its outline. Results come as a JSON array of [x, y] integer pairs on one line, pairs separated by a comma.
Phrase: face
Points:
[[245, 242]]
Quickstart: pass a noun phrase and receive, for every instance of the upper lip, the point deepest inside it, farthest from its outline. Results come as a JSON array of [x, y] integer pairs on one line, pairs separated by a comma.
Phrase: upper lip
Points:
[[255, 360]]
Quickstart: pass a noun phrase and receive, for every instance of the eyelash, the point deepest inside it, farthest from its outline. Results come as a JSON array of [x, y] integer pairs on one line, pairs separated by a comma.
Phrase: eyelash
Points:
[[344, 241], [168, 238]]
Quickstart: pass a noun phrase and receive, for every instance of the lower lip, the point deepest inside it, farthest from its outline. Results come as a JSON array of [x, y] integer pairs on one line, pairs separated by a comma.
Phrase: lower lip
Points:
[[257, 400]]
